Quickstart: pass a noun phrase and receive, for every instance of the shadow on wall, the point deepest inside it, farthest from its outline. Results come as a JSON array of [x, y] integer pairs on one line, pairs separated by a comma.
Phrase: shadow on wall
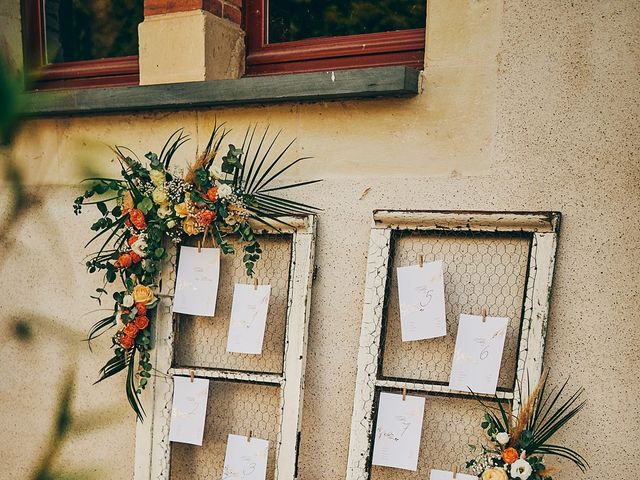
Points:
[[23, 331]]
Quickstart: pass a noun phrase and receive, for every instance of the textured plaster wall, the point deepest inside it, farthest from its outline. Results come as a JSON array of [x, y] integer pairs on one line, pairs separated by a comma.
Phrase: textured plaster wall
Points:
[[525, 106]]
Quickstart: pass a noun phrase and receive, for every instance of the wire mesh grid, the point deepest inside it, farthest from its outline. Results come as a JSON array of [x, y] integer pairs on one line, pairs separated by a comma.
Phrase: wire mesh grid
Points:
[[480, 270], [202, 341], [233, 408], [448, 429]]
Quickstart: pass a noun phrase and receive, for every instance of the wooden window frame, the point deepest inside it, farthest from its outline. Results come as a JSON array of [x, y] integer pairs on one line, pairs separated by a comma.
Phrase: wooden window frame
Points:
[[403, 47], [106, 72], [544, 229], [153, 449]]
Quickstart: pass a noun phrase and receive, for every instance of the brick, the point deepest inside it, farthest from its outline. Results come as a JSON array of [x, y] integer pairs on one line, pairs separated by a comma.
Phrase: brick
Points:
[[235, 3], [159, 7], [232, 13]]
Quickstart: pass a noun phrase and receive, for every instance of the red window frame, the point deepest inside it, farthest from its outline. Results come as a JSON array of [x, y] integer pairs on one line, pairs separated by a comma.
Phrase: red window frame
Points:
[[105, 72], [403, 47]]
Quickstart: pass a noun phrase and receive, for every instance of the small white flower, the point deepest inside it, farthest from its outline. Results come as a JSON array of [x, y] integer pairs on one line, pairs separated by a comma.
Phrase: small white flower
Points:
[[521, 469], [127, 301], [502, 438], [139, 247], [224, 190], [157, 177]]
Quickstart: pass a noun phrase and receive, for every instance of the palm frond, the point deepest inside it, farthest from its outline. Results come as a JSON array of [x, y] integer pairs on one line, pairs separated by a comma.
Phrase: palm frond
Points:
[[252, 176], [132, 393]]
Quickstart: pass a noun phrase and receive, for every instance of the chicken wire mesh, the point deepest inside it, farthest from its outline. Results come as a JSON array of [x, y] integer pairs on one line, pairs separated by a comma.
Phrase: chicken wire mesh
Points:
[[202, 341], [233, 408], [449, 427], [480, 270]]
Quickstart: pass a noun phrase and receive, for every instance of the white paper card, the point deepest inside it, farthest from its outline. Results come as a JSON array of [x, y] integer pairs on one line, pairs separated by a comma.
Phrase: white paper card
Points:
[[197, 281], [444, 475], [421, 296], [245, 460], [478, 353], [248, 318], [398, 431], [189, 410]]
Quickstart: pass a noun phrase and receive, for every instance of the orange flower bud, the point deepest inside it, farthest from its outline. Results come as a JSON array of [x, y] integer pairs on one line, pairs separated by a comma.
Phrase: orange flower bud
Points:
[[135, 258], [510, 455], [126, 342], [137, 219], [130, 330], [142, 322], [212, 194], [142, 308], [124, 260]]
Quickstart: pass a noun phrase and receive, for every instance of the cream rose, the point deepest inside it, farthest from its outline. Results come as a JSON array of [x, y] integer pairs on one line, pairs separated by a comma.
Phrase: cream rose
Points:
[[189, 226], [495, 474], [127, 301], [224, 190], [502, 438], [139, 247], [157, 177], [164, 210], [181, 209], [521, 469], [143, 294], [159, 196]]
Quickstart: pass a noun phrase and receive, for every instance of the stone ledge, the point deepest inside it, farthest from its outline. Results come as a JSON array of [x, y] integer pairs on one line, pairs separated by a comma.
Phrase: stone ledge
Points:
[[299, 87]]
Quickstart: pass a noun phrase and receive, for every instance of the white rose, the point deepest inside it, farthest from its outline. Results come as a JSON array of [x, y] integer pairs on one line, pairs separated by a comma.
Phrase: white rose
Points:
[[139, 247], [157, 177], [224, 190], [502, 438], [160, 196], [164, 210], [521, 469], [127, 301]]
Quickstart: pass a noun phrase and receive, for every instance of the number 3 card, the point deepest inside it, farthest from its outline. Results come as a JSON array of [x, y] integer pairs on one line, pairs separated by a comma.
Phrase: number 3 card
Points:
[[478, 354], [422, 307]]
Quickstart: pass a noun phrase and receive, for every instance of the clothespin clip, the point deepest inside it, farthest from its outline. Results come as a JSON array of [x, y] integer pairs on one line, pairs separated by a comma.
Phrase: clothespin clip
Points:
[[485, 312], [250, 435], [192, 375], [404, 393], [421, 260], [255, 283], [455, 472], [199, 245]]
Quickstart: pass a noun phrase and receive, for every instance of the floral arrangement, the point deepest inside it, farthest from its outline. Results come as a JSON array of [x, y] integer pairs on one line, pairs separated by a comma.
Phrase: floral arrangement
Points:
[[520, 443], [153, 204]]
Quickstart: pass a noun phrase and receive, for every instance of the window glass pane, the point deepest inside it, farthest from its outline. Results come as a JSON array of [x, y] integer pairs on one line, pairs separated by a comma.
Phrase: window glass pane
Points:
[[91, 29], [291, 20]]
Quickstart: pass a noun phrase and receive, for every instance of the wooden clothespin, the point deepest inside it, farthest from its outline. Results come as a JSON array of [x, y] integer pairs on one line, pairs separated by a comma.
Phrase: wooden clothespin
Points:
[[192, 375], [421, 260], [485, 313], [255, 283], [250, 435], [455, 472], [404, 393], [199, 245]]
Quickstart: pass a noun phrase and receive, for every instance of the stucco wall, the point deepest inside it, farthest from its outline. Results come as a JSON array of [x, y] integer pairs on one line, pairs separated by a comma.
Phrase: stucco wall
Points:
[[525, 106]]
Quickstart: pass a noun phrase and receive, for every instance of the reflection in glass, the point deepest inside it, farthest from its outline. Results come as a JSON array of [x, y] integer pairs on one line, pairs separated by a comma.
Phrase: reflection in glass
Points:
[[291, 20], [91, 29]]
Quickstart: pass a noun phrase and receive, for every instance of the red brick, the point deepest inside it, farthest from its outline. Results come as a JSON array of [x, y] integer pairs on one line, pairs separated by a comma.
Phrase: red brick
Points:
[[158, 7], [235, 3], [232, 13]]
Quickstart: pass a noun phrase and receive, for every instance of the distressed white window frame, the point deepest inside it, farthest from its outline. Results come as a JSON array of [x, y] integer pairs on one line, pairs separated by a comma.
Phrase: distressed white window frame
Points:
[[544, 228], [152, 460]]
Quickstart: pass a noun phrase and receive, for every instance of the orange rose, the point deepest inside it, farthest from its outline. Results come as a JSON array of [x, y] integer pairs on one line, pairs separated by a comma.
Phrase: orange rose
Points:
[[135, 258], [137, 219], [126, 342], [142, 322], [205, 217], [124, 260], [212, 194], [142, 308], [510, 455], [130, 330], [132, 239]]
